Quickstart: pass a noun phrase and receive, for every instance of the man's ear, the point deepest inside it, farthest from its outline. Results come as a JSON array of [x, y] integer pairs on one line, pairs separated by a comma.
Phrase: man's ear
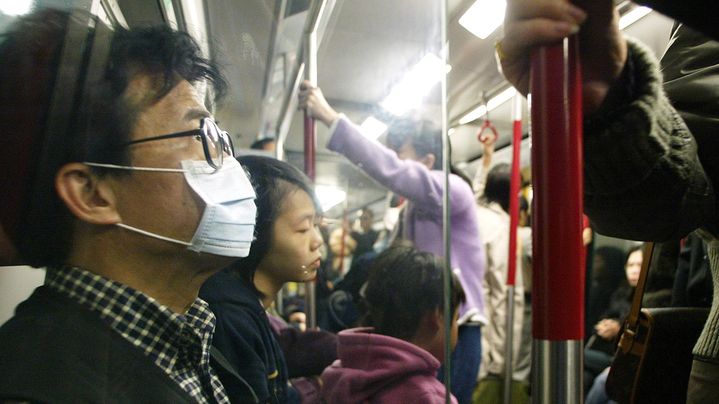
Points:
[[429, 160], [88, 197]]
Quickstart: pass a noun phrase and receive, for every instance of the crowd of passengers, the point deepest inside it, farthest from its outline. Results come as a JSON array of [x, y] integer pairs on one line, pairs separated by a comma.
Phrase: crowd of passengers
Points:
[[165, 252]]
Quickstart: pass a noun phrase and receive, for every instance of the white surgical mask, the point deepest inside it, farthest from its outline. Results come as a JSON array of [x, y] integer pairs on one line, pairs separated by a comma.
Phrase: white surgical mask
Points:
[[227, 225]]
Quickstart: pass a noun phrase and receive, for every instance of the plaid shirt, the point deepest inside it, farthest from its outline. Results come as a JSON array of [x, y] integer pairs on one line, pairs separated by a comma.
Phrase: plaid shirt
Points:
[[178, 344]]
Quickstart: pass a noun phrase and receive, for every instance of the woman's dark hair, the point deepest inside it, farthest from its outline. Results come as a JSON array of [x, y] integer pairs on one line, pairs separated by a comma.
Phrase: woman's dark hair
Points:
[[608, 266], [497, 187], [425, 137], [56, 109], [404, 284], [273, 181], [632, 250]]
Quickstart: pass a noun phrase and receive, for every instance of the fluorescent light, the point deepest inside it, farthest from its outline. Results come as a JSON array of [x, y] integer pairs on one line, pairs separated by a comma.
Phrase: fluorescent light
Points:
[[633, 16], [483, 17], [493, 103], [373, 127], [329, 196], [408, 93], [15, 7]]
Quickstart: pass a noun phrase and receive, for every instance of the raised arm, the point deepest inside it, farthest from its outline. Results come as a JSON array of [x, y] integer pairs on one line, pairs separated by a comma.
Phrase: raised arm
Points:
[[411, 179], [643, 178]]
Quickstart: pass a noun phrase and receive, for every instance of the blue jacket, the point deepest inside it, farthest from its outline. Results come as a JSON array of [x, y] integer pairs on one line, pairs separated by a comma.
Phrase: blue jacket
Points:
[[244, 337]]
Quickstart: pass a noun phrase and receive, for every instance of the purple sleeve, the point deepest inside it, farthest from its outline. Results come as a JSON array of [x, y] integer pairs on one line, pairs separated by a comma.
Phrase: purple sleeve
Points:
[[408, 178]]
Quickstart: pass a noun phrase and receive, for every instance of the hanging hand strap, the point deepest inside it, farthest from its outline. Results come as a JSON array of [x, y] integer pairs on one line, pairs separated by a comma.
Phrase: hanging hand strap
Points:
[[482, 137]]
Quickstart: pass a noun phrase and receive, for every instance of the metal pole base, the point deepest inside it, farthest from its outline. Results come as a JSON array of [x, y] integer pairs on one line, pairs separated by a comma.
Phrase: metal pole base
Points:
[[557, 372]]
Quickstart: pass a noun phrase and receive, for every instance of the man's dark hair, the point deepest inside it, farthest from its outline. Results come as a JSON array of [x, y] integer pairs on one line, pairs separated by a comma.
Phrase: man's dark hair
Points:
[[273, 180], [63, 77], [498, 185], [403, 285]]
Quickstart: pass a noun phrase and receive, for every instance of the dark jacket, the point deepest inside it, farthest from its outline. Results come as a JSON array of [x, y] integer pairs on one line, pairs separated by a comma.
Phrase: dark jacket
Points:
[[56, 351], [244, 337], [650, 169]]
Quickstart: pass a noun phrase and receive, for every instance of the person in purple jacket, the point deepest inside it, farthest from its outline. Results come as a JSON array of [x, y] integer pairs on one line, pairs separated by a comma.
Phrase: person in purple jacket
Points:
[[395, 358], [413, 171]]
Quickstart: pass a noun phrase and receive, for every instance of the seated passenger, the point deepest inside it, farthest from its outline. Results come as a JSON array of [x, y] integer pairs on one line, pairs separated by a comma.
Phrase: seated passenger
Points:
[[286, 249], [396, 358], [128, 221], [600, 348], [607, 274], [412, 168]]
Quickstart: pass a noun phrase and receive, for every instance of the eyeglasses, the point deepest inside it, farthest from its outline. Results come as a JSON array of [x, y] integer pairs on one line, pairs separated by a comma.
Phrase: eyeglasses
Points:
[[215, 141]]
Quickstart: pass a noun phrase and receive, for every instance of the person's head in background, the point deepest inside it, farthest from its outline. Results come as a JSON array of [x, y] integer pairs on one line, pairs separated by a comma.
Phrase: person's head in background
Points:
[[608, 266], [416, 140], [266, 143], [497, 187], [525, 219], [287, 237], [366, 219], [633, 265], [294, 313], [421, 141], [404, 298]]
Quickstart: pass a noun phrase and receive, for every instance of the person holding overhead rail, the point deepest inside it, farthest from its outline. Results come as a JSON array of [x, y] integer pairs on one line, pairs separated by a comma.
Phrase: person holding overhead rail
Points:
[[411, 168]]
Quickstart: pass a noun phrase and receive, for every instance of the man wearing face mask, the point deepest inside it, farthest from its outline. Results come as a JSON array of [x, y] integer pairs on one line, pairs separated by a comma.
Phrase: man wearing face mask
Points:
[[116, 179]]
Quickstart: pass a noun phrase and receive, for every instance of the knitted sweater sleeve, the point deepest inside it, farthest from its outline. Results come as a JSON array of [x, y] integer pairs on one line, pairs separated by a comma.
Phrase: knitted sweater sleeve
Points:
[[643, 178]]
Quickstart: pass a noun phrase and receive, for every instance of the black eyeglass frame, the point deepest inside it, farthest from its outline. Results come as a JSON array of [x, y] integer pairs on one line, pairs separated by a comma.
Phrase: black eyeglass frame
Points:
[[223, 137]]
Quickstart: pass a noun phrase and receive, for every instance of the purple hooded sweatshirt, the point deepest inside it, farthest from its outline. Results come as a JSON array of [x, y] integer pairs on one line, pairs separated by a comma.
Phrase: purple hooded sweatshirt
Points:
[[375, 368], [424, 189]]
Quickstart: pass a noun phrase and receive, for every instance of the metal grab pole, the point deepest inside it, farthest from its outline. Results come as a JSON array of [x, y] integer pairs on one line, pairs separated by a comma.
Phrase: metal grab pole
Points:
[[558, 256], [309, 143], [446, 210], [310, 139], [343, 234], [512, 253]]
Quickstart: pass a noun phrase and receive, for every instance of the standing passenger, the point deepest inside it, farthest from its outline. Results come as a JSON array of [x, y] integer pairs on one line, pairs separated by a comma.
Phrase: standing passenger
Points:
[[413, 171], [367, 237], [116, 179], [494, 224]]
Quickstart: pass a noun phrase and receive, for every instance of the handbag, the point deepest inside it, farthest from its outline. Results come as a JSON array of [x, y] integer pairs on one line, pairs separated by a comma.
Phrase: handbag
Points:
[[654, 355]]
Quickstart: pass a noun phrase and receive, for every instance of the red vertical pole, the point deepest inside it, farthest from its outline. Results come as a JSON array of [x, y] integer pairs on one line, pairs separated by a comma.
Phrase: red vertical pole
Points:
[[512, 250], [558, 256], [514, 189]]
